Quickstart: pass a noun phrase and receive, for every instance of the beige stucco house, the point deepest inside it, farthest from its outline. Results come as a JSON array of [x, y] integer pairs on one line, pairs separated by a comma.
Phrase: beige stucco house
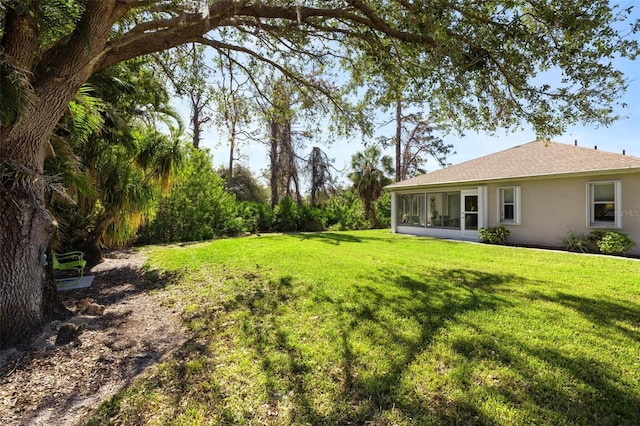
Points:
[[541, 191]]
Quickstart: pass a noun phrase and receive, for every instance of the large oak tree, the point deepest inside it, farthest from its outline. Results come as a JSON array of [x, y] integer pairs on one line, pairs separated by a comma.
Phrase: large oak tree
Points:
[[479, 64]]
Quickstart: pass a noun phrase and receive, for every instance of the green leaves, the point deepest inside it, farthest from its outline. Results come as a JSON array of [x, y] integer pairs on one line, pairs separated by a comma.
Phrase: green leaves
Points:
[[16, 92], [370, 175], [503, 64]]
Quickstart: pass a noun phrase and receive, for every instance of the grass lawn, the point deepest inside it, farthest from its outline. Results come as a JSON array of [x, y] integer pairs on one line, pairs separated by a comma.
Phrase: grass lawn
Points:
[[374, 328]]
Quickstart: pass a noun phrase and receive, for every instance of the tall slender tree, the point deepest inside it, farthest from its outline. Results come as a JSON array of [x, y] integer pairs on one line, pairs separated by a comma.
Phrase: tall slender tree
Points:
[[187, 70], [232, 109], [279, 112], [319, 169], [414, 144]]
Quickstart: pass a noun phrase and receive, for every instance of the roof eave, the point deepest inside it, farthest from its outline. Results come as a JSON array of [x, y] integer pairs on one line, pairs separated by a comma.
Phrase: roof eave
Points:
[[601, 172]]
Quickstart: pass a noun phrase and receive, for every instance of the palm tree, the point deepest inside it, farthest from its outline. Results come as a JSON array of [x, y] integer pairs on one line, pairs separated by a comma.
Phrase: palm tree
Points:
[[112, 161], [370, 174]]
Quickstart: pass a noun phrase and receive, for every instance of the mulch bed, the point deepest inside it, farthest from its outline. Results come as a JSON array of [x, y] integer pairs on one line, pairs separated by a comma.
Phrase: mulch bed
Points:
[[45, 384]]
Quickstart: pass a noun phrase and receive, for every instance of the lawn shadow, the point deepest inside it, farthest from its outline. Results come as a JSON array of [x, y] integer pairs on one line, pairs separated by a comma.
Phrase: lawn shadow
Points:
[[589, 392], [430, 300], [372, 316], [602, 312], [338, 237], [334, 238]]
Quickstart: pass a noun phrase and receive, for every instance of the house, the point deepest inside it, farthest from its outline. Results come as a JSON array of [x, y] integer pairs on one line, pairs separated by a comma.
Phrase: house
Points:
[[541, 191]]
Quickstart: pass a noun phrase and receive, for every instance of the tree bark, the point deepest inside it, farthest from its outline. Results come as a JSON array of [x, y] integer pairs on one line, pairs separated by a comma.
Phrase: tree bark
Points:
[[273, 155], [27, 293], [195, 119], [398, 144], [25, 230]]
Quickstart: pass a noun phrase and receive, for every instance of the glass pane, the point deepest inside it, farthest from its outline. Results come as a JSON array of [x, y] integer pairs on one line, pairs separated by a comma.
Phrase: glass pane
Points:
[[471, 203], [471, 221], [434, 209], [604, 212], [508, 212], [508, 195], [402, 208], [452, 218], [604, 192], [416, 209]]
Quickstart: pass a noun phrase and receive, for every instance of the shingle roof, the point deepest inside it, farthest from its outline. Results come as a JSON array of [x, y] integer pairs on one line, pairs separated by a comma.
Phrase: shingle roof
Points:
[[537, 158]]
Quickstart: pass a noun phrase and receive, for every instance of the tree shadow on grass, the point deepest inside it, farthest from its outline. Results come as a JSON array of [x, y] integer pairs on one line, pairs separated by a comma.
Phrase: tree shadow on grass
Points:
[[334, 238], [373, 316], [364, 319], [337, 238], [622, 317], [432, 300], [557, 388]]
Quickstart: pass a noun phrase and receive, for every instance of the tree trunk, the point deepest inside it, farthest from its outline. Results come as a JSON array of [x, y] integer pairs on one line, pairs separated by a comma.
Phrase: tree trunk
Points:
[[27, 293], [275, 132], [398, 144], [196, 121], [232, 147]]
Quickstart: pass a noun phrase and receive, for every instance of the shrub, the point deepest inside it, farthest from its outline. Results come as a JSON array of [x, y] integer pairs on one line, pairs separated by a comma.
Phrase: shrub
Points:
[[258, 217], [311, 218], [594, 238], [497, 235], [615, 243], [580, 243], [286, 215], [345, 211], [383, 210], [197, 207]]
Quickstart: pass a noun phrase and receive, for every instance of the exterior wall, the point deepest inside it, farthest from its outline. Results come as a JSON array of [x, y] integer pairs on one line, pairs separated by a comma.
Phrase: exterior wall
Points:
[[553, 208], [550, 209]]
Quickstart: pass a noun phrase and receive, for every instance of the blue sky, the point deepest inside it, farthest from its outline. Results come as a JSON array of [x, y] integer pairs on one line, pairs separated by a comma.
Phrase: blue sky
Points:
[[623, 134]]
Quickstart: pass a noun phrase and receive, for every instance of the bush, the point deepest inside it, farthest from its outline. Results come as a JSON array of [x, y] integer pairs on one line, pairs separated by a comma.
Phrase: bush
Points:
[[615, 243], [286, 215], [311, 218], [383, 210], [345, 211], [580, 243], [258, 217], [497, 235], [197, 208], [598, 241]]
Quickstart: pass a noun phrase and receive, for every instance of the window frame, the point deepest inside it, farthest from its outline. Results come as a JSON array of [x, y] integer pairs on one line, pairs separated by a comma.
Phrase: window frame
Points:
[[617, 203], [411, 205], [516, 206]]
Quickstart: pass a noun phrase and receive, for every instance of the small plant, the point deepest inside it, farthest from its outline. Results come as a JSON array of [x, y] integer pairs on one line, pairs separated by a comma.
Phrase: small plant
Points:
[[615, 243], [497, 235], [581, 243]]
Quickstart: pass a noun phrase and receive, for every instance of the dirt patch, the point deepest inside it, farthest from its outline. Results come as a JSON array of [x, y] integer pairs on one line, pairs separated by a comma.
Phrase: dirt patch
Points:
[[45, 384]]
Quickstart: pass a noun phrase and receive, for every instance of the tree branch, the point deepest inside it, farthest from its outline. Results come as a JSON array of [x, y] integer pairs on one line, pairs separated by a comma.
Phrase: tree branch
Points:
[[187, 27]]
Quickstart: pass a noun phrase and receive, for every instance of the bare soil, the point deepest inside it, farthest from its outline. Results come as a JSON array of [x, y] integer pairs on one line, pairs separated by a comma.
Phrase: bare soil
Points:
[[45, 384]]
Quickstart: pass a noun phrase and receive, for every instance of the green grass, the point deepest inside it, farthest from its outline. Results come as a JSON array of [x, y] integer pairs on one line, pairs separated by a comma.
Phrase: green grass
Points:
[[374, 328]]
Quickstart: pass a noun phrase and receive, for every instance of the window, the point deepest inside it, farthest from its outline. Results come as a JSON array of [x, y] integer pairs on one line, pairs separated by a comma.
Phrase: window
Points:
[[443, 210], [603, 201], [509, 205], [411, 209]]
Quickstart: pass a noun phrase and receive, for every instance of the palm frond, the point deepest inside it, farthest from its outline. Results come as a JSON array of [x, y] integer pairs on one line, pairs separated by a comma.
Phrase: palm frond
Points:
[[16, 94]]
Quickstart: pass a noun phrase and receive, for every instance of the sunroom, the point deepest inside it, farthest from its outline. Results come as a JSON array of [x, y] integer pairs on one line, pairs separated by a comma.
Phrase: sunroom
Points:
[[447, 213]]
